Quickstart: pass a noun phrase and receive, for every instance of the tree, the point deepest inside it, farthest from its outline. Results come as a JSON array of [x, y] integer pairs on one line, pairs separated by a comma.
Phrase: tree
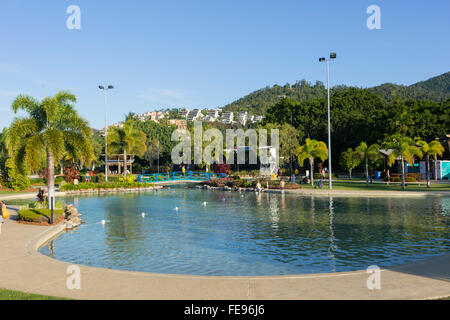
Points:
[[368, 153], [310, 150], [152, 149], [404, 148], [127, 140], [53, 128], [349, 160], [288, 143], [434, 148]]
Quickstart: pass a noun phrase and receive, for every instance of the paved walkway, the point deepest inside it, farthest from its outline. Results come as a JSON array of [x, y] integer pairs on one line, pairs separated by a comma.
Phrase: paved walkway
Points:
[[23, 268]]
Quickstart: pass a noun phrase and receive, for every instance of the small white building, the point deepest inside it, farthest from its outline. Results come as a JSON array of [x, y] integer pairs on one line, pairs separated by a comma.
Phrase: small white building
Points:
[[443, 169], [194, 115], [152, 115], [228, 117], [243, 117], [183, 112], [211, 115]]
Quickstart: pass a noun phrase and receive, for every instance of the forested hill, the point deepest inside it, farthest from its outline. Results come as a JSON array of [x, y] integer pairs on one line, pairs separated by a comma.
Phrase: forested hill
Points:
[[434, 89]]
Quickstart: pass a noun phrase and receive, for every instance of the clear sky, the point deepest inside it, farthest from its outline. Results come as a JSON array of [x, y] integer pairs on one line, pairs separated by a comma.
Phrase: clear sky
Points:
[[209, 53]]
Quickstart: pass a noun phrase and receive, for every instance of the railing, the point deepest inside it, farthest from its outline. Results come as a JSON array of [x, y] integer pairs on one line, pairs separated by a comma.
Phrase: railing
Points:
[[178, 175]]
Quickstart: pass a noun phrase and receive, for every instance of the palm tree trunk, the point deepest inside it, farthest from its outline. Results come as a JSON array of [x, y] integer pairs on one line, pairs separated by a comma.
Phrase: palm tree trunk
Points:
[[311, 165], [125, 163], [50, 177], [403, 174], [428, 171], [367, 172], [435, 167]]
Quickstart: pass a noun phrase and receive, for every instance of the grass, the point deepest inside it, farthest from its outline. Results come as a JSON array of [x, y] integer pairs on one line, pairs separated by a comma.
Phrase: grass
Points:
[[13, 192], [361, 186], [18, 295]]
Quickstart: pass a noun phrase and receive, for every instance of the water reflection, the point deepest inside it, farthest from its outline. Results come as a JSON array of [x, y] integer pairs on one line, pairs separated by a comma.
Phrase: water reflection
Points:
[[252, 233], [332, 247]]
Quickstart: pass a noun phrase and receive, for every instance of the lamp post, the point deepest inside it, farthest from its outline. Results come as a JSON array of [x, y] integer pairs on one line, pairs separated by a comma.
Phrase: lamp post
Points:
[[106, 128], [332, 56]]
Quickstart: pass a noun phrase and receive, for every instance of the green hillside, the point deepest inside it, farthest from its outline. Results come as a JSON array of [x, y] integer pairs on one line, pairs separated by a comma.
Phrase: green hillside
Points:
[[435, 89]]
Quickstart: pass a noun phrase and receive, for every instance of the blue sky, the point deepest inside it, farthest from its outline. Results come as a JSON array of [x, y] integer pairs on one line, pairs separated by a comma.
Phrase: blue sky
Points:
[[209, 53]]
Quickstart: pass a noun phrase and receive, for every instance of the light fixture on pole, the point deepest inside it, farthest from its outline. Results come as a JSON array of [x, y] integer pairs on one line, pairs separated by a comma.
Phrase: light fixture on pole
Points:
[[322, 59], [106, 128]]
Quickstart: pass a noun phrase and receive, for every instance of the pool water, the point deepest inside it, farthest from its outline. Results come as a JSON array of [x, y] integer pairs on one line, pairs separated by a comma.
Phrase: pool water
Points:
[[232, 233]]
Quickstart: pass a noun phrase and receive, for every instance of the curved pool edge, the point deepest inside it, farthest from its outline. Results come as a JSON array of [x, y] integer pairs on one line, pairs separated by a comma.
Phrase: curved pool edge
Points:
[[31, 271]]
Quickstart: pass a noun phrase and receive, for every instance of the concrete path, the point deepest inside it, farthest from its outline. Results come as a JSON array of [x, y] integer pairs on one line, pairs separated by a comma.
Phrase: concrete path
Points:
[[23, 268]]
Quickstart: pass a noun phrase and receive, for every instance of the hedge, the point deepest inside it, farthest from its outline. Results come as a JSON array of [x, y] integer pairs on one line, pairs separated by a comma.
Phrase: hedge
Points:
[[39, 215], [113, 185]]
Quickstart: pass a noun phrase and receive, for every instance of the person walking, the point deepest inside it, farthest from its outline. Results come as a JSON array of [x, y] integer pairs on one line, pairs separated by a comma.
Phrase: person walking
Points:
[[2, 218], [1, 222], [282, 184]]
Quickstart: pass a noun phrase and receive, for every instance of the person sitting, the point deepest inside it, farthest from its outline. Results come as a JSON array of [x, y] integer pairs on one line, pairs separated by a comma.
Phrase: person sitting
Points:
[[41, 195], [258, 187]]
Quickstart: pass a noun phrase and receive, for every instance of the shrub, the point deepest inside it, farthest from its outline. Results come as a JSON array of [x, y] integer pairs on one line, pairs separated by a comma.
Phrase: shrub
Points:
[[41, 205], [128, 179], [14, 179], [110, 185], [71, 173], [37, 181], [60, 179], [99, 178], [40, 215], [317, 175]]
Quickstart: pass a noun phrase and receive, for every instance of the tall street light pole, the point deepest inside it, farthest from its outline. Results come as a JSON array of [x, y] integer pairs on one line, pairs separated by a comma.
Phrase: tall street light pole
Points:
[[332, 56], [106, 128]]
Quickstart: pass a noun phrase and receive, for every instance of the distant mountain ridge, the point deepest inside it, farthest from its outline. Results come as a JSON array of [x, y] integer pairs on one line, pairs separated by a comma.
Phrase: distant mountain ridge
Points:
[[434, 89]]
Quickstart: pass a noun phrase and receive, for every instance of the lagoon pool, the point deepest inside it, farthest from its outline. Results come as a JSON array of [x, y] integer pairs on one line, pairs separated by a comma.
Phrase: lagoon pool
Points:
[[249, 234]]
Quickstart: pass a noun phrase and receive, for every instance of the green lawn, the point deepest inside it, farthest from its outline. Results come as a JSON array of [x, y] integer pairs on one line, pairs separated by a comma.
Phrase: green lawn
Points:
[[17, 295], [8, 192], [361, 186]]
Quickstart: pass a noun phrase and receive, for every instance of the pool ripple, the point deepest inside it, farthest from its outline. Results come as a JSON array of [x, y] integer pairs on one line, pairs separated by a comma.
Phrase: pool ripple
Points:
[[265, 234]]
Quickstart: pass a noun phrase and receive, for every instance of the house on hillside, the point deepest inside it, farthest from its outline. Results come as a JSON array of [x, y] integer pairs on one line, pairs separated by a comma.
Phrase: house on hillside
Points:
[[211, 115], [243, 117], [227, 117], [194, 115], [183, 112]]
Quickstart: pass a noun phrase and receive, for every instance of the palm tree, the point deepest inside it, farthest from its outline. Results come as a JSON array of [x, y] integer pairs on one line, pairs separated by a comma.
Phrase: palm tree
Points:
[[425, 148], [434, 148], [127, 140], [367, 153], [310, 150], [405, 149], [53, 129]]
